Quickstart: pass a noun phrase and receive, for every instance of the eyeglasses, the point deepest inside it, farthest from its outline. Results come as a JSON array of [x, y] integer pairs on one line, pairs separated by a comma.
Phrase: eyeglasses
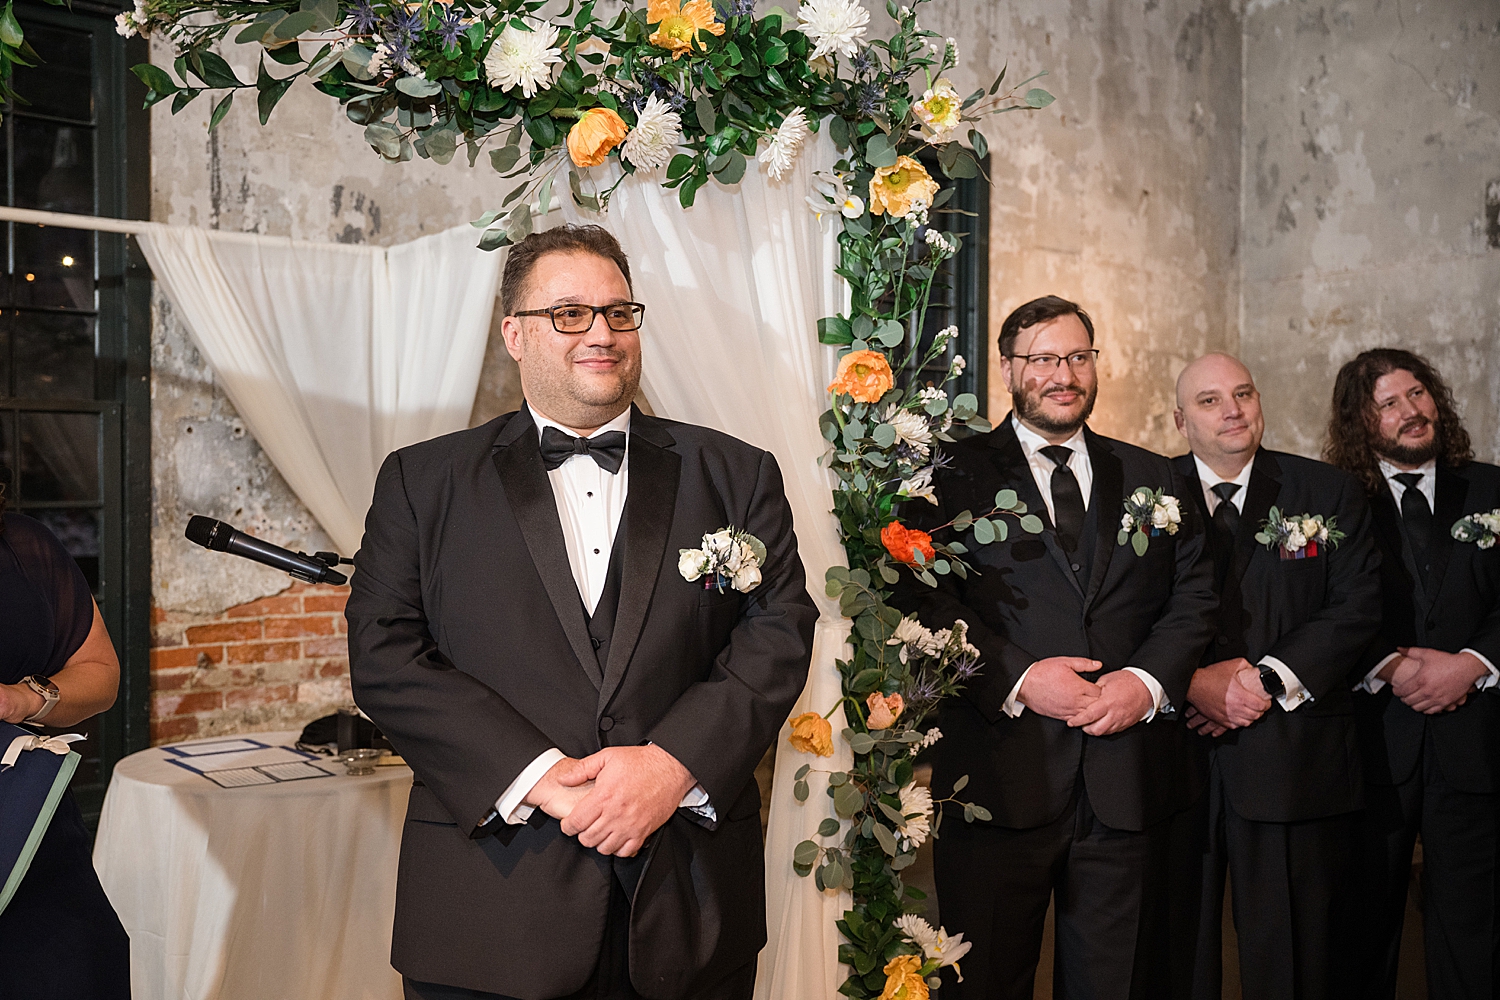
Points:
[[1044, 363], [576, 317]]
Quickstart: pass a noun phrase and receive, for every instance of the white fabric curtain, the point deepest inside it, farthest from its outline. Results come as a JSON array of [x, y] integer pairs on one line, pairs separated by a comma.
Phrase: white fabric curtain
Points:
[[734, 287], [334, 355]]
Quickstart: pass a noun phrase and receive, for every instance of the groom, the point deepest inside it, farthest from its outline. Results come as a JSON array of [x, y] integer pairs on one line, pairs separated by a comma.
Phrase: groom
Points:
[[582, 721]]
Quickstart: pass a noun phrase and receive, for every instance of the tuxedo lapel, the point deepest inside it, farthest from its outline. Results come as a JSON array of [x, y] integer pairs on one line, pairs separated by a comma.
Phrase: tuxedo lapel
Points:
[[1452, 493], [518, 460], [1109, 490], [1015, 474], [1265, 486], [654, 474]]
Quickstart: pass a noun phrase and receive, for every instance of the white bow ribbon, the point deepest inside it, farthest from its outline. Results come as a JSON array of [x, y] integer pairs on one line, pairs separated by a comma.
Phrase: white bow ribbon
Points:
[[57, 744]]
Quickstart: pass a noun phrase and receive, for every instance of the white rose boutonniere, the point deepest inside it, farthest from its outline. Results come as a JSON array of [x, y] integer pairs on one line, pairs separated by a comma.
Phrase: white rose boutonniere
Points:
[[1147, 513], [1300, 536], [728, 558], [1481, 529]]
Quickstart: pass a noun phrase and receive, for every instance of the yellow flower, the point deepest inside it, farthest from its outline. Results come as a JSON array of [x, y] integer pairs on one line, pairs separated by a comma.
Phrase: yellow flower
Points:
[[594, 135], [903, 979], [811, 733], [678, 23], [865, 375], [897, 188]]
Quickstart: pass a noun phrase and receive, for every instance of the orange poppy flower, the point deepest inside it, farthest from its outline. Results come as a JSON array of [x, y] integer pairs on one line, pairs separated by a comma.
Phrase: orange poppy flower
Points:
[[678, 23], [865, 375], [595, 134]]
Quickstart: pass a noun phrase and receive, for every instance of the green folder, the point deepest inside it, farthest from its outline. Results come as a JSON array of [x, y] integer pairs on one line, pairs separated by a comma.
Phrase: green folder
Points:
[[29, 793]]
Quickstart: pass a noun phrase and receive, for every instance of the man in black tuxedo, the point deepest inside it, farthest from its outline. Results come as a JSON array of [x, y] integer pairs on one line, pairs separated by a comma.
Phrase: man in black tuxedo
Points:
[[583, 722], [1272, 697], [1426, 698], [1068, 733]]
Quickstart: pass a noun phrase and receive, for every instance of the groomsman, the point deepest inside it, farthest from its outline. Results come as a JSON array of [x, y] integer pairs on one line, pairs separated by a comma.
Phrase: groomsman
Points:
[[1272, 695], [1426, 701], [1068, 734]]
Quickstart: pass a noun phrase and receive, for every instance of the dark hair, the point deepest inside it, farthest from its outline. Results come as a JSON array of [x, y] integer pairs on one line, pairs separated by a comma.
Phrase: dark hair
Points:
[[1352, 424], [1039, 311], [523, 257]]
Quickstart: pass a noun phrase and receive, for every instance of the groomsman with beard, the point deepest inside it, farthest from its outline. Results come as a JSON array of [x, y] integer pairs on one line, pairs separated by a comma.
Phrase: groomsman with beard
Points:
[[1426, 702], [1272, 696], [1069, 733]]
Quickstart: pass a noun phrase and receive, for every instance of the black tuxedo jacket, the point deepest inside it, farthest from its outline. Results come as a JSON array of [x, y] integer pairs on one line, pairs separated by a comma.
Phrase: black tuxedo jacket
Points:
[[1024, 603], [469, 647], [1317, 615], [1459, 609]]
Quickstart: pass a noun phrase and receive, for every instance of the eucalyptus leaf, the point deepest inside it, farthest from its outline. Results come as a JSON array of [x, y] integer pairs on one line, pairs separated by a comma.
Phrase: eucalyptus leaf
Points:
[[806, 852], [1031, 524], [1139, 541], [886, 838], [961, 783], [1006, 499], [1036, 97], [415, 87], [984, 531], [802, 772], [800, 791]]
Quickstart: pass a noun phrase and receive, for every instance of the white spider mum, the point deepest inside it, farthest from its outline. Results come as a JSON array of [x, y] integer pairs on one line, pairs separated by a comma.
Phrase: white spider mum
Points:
[[657, 131], [911, 429], [521, 58], [833, 25], [782, 151], [916, 805]]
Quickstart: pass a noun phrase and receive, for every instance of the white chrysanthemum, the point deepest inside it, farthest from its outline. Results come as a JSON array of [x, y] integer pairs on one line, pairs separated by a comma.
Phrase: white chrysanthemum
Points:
[[833, 25], [911, 428], [657, 131], [916, 806], [521, 58], [910, 635], [692, 563], [782, 151]]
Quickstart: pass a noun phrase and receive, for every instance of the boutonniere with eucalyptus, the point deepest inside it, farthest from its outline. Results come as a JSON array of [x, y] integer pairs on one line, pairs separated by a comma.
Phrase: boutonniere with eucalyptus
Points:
[[728, 558], [1148, 513], [1299, 536], [1480, 529]]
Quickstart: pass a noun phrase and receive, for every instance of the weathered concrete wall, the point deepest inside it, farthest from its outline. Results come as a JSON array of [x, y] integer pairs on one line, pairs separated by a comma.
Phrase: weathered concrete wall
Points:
[[1372, 187], [1121, 196]]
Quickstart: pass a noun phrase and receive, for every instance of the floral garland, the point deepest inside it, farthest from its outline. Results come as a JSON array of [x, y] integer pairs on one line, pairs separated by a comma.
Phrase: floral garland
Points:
[[688, 91]]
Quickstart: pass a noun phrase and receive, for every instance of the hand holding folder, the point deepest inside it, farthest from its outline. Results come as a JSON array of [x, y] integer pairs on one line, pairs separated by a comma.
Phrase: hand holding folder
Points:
[[34, 773]]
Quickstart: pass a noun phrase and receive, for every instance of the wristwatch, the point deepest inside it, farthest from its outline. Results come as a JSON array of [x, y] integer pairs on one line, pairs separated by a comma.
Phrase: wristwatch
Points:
[[1271, 681], [47, 690]]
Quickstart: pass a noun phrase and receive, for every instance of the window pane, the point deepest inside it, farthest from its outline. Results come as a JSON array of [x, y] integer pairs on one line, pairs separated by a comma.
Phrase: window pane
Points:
[[78, 530], [8, 454], [54, 166], [63, 85], [54, 355], [59, 457], [54, 267]]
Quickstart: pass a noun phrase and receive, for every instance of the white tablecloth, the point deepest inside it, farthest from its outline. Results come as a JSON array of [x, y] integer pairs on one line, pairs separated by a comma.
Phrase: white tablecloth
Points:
[[264, 892]]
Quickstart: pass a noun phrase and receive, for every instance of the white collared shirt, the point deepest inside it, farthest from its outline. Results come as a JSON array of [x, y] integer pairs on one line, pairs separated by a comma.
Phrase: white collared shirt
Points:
[[1296, 694], [1032, 444]]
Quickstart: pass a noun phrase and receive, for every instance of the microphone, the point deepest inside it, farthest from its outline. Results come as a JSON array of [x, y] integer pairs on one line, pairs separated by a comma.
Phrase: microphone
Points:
[[221, 537]]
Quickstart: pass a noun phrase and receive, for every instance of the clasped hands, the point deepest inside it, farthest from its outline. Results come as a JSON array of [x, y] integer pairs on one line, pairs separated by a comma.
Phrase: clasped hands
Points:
[[1432, 681], [1053, 688], [1226, 695], [614, 799]]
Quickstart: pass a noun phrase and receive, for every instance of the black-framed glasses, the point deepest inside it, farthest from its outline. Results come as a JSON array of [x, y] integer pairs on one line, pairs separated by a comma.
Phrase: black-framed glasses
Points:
[[575, 317], [1043, 363]]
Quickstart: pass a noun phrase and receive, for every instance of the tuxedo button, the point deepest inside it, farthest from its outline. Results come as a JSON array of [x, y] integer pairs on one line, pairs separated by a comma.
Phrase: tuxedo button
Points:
[[606, 724], [1432, 623], [1223, 640], [595, 642], [1088, 621], [1076, 567]]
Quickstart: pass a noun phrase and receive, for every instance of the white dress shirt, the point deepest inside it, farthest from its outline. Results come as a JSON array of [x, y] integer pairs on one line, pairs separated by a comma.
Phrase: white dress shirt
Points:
[[1296, 694], [1428, 486], [590, 503], [1032, 444]]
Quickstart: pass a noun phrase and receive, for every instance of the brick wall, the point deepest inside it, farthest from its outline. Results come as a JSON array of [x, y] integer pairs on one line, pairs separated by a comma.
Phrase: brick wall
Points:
[[275, 663]]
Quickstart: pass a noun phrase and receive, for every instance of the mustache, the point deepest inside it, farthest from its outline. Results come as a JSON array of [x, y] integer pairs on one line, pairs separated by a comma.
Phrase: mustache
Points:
[[1414, 423], [1070, 387], [599, 354]]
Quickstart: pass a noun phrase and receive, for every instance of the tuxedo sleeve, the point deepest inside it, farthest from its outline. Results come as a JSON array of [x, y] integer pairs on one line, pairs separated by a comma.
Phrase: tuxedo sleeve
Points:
[[720, 727], [460, 738], [1171, 650], [1321, 650]]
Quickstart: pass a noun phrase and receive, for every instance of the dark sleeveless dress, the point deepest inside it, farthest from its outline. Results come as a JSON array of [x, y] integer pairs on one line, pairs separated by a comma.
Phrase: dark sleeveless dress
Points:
[[59, 937]]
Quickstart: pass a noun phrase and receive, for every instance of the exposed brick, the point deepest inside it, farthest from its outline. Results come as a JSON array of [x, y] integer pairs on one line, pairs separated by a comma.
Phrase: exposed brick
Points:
[[250, 697], [334, 668], [264, 652], [278, 605], [292, 628], [171, 680], [184, 656], [333, 646], [171, 730], [158, 615], [325, 602], [224, 632], [164, 705]]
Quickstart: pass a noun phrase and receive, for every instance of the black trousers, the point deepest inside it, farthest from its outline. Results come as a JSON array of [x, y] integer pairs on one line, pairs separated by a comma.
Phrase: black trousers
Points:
[[1459, 883], [1293, 903], [611, 978], [994, 884]]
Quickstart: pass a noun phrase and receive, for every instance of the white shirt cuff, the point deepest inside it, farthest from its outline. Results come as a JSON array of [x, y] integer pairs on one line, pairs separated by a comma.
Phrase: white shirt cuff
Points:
[[1159, 701], [1295, 695], [510, 804], [696, 801], [1372, 683], [1492, 678], [1012, 707]]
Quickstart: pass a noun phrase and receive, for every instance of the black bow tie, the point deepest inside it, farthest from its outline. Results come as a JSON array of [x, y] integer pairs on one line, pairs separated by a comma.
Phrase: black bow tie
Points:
[[608, 449]]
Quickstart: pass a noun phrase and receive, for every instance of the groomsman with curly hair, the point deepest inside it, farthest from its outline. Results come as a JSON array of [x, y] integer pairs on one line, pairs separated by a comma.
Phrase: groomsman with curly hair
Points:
[[1426, 699]]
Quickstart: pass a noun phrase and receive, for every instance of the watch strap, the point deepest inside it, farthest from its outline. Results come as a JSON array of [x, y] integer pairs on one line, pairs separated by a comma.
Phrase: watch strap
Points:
[[50, 696], [1271, 681]]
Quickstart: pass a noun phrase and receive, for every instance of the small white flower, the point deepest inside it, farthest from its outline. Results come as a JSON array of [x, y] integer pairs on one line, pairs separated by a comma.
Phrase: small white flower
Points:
[[521, 58], [377, 59], [1295, 540], [833, 25], [853, 207], [1159, 518], [959, 364], [944, 335], [919, 486], [1141, 497], [916, 806], [779, 155], [657, 131], [1127, 522], [746, 578], [125, 26], [830, 193], [933, 735], [692, 563], [951, 53], [1488, 541], [905, 11]]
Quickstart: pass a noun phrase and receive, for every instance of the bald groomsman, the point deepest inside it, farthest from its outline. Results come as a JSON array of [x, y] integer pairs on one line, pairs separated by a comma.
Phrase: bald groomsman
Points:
[[1427, 704], [1271, 695]]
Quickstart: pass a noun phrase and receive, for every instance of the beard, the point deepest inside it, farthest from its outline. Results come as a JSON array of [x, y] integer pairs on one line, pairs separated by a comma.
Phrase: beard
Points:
[[1404, 454], [1029, 408]]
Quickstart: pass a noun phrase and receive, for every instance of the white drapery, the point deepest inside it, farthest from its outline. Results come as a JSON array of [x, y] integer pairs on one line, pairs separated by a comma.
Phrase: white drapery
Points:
[[334, 355], [734, 287]]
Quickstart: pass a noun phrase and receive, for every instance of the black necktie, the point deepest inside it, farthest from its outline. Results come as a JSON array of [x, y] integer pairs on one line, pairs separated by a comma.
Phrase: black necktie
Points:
[[1226, 522], [608, 449], [1418, 518], [1067, 498]]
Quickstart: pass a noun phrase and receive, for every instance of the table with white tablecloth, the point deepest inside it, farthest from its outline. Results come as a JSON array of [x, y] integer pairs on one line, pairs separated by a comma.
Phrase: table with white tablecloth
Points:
[[278, 891]]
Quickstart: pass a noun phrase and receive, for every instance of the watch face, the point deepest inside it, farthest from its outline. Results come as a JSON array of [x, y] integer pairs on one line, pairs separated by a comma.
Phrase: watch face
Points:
[[1271, 681]]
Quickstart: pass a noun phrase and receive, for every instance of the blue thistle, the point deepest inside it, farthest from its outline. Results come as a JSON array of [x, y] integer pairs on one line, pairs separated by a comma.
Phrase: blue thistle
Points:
[[450, 27], [406, 24], [742, 8], [864, 63], [868, 98], [365, 18], [398, 49]]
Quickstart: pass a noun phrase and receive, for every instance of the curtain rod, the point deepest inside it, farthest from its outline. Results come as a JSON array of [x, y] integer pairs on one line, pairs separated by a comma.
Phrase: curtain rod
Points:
[[63, 220]]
